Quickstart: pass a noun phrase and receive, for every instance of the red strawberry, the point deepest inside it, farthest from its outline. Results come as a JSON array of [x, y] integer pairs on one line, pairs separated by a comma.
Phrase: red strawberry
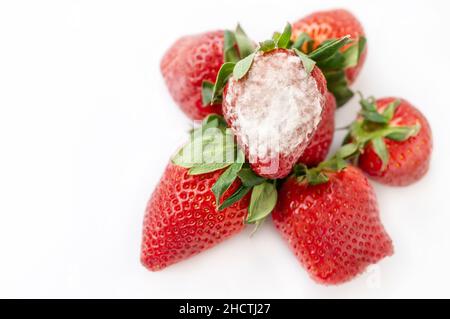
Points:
[[182, 220], [274, 109], [190, 61], [333, 24], [319, 146], [333, 228], [407, 151]]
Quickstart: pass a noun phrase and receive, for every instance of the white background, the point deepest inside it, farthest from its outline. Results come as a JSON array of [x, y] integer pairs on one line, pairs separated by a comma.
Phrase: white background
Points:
[[87, 127]]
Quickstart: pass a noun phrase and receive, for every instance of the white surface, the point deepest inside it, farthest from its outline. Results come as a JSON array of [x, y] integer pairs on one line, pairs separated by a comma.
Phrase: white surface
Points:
[[87, 127]]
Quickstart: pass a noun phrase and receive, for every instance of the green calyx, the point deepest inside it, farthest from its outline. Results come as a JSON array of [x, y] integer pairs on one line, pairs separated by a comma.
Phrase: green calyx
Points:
[[374, 126], [319, 174], [239, 53], [334, 68], [212, 147], [237, 47], [326, 55], [262, 202], [278, 41], [333, 62]]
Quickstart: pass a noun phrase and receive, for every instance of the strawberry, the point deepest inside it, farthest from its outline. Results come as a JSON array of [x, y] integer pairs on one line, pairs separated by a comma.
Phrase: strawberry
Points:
[[319, 146], [331, 222], [275, 110], [320, 27], [194, 61], [198, 204], [393, 141], [325, 25], [182, 220], [190, 61], [273, 100]]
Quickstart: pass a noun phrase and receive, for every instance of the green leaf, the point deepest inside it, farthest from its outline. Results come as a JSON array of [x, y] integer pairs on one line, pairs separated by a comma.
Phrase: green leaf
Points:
[[301, 40], [207, 168], [300, 170], [389, 111], [257, 224], [235, 197], [339, 80], [227, 178], [362, 42], [347, 138], [326, 42], [207, 93], [347, 150], [210, 147], [285, 37], [308, 64], [189, 154], [229, 47], [351, 55], [218, 146], [368, 104], [337, 85], [335, 76], [262, 202], [249, 178], [316, 177], [334, 62], [334, 164], [267, 45], [213, 120], [341, 92], [276, 35], [401, 133], [374, 117], [245, 45], [222, 77], [358, 134], [379, 146], [240, 30], [338, 164], [328, 49], [179, 160], [243, 66]]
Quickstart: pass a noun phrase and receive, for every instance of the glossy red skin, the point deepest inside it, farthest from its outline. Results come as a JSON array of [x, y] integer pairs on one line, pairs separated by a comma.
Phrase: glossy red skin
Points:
[[332, 24], [334, 229], [190, 61], [285, 161], [318, 148], [409, 160], [181, 218]]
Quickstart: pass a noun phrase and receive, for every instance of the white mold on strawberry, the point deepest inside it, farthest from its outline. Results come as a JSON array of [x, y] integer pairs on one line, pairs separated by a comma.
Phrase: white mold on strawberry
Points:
[[274, 110]]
